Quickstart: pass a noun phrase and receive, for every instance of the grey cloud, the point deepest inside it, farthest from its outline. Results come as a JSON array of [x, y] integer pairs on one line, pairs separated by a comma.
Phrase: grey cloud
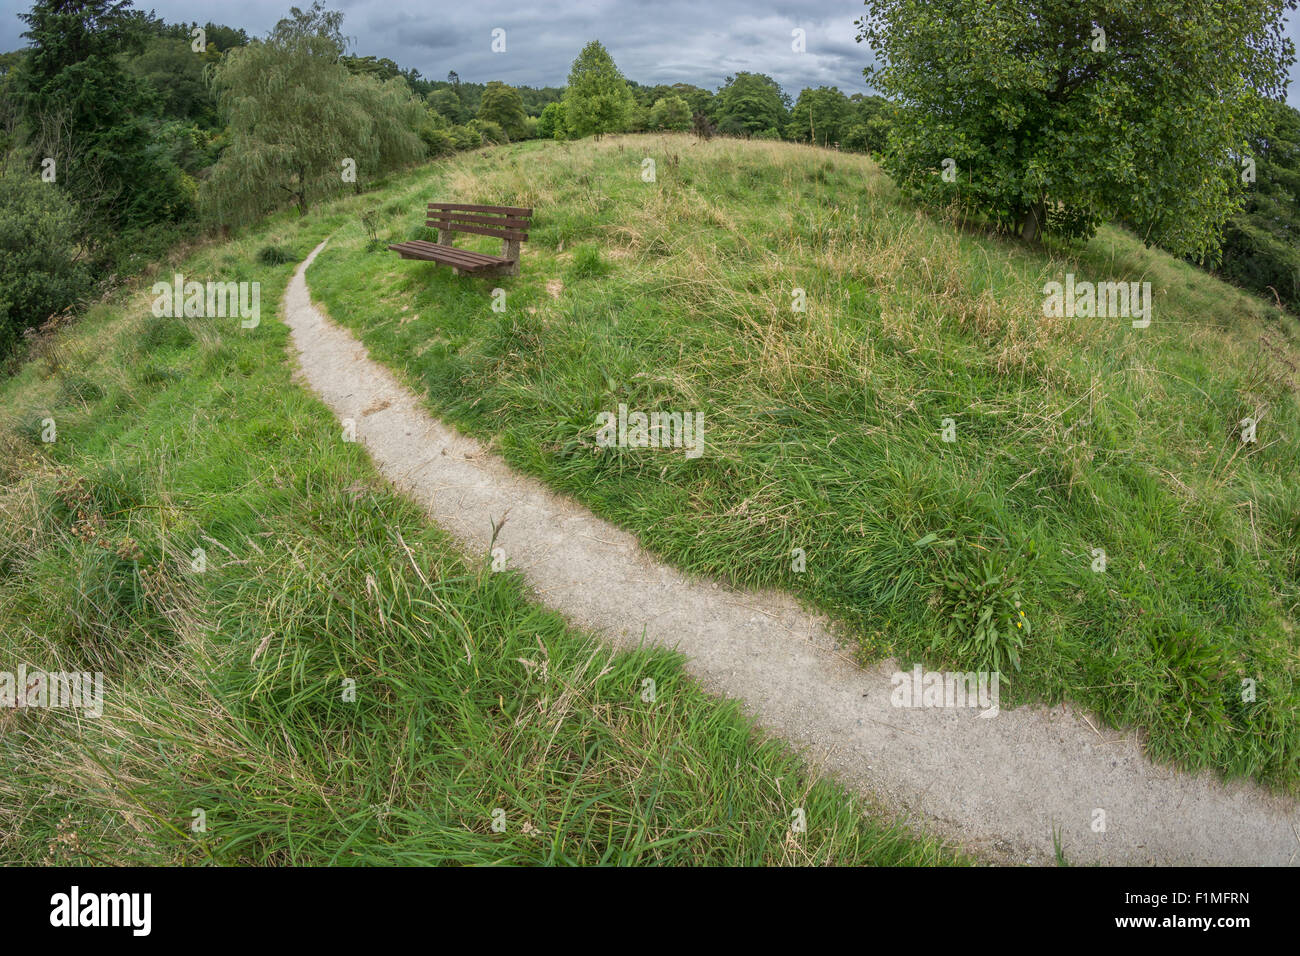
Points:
[[665, 42]]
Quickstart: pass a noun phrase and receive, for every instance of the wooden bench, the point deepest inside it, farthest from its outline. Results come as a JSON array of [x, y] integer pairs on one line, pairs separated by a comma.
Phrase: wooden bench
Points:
[[508, 223]]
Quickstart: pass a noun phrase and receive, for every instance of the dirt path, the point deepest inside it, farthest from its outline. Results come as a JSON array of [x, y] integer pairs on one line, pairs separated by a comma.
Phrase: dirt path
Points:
[[997, 786]]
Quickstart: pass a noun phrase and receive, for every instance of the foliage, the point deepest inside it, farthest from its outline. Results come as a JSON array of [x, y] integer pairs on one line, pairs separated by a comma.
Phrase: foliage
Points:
[[40, 271], [1261, 245], [597, 100], [670, 112], [551, 124], [868, 130], [503, 106], [90, 115], [297, 115], [1059, 119], [173, 72], [750, 103], [820, 116]]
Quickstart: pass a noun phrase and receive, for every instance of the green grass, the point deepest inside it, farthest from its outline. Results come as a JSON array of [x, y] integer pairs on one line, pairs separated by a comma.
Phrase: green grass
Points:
[[225, 685], [823, 427]]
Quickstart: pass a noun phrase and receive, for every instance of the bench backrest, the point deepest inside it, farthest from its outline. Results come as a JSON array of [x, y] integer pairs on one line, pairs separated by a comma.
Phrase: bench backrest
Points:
[[505, 222]]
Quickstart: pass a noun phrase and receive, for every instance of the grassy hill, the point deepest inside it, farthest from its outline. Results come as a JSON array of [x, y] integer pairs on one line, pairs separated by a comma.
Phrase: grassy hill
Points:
[[225, 679], [823, 432], [823, 427]]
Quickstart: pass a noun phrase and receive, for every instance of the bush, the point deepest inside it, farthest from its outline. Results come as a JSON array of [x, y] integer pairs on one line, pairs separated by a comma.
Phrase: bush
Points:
[[40, 270], [437, 142], [550, 125], [276, 255], [462, 137], [489, 133], [670, 112]]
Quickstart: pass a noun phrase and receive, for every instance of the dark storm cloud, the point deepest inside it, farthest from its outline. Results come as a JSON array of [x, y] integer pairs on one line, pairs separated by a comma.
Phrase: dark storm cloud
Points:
[[691, 41]]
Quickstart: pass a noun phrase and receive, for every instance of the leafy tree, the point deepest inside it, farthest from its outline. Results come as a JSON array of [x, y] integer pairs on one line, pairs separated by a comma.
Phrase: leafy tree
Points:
[[551, 125], [91, 115], [447, 103], [503, 105], [820, 116], [381, 68], [699, 100], [868, 127], [1060, 115], [670, 112], [750, 103], [174, 72], [537, 99], [296, 115], [597, 100], [1261, 245], [40, 272]]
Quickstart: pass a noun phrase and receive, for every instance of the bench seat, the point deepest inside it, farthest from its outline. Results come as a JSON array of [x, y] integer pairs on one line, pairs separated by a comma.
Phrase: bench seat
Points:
[[463, 259]]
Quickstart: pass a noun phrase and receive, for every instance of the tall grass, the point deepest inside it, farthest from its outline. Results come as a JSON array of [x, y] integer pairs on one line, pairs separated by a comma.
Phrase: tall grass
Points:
[[824, 426], [299, 669]]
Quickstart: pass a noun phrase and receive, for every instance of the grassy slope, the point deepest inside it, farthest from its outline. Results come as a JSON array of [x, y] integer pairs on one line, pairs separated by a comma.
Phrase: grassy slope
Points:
[[823, 427], [225, 687]]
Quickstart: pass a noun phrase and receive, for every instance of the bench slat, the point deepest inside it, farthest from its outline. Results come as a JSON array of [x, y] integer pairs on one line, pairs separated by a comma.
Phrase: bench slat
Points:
[[462, 207], [426, 245], [433, 252], [498, 222], [431, 256], [453, 226]]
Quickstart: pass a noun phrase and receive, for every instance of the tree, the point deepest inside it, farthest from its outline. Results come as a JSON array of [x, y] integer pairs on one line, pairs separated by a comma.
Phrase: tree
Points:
[[550, 124], [868, 129], [40, 273], [670, 112], [1056, 118], [447, 103], [597, 100], [174, 72], [1261, 245], [820, 116], [73, 81], [750, 103], [298, 119], [503, 105]]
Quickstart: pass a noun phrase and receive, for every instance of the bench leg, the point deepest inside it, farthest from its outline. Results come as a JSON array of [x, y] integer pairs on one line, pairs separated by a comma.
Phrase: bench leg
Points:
[[510, 250]]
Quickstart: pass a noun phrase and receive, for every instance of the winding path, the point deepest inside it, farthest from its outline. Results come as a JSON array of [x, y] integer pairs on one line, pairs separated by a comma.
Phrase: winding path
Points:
[[995, 786]]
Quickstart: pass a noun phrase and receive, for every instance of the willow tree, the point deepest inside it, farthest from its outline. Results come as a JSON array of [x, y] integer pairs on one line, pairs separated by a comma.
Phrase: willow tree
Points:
[[301, 125], [1055, 116]]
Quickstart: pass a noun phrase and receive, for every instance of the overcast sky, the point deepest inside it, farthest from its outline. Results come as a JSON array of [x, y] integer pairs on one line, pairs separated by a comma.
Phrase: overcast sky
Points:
[[663, 41]]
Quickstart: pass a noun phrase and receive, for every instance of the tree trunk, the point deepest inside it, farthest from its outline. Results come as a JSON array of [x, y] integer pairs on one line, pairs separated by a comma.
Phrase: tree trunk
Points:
[[1031, 227]]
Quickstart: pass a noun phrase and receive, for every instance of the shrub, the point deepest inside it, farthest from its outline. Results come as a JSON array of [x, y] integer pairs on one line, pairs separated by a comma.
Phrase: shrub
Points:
[[550, 125], [40, 269], [276, 255], [437, 142]]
